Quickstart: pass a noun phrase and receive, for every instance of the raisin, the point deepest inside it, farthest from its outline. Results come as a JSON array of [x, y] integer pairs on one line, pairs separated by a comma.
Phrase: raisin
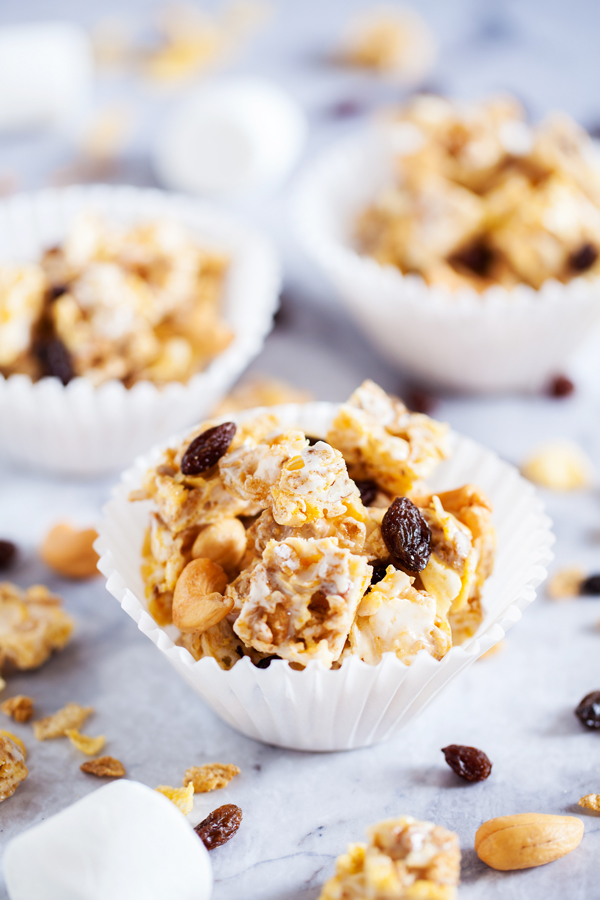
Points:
[[313, 440], [590, 586], [266, 662], [207, 449], [346, 109], [379, 570], [468, 762], [561, 386], [8, 554], [55, 359], [588, 711], [368, 490], [420, 401], [407, 535], [477, 257], [584, 258], [56, 290], [219, 826]]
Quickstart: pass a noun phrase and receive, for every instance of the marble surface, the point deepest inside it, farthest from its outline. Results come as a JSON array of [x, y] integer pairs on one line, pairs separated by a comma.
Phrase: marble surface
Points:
[[301, 810]]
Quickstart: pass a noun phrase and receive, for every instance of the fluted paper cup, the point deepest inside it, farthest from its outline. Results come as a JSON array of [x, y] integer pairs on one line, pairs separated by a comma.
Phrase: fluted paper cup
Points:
[[500, 340], [84, 430], [357, 704]]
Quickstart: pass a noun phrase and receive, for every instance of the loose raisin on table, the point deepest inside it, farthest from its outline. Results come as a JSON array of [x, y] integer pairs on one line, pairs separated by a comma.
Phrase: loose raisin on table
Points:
[[54, 359], [207, 449], [468, 762], [266, 662], [420, 401], [367, 489], [8, 554], [312, 440], [406, 535], [584, 258], [561, 386], [590, 586], [219, 826], [379, 570], [588, 711], [477, 257]]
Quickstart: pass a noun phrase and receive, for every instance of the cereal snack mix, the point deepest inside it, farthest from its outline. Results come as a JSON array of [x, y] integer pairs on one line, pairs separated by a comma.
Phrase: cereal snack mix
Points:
[[140, 302], [482, 198], [12, 766], [269, 543], [404, 859], [32, 625]]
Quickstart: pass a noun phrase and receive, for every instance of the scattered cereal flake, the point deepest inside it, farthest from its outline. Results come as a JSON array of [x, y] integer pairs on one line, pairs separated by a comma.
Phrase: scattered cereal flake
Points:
[[183, 798], [107, 133], [19, 708], [88, 745], [210, 777], [12, 766], [565, 583], [559, 465], [17, 740], [70, 716], [32, 625], [104, 767], [494, 650], [389, 39], [590, 801]]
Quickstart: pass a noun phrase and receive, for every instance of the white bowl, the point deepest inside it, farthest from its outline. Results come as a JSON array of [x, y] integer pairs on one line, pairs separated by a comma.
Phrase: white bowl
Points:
[[500, 340], [84, 430], [358, 704]]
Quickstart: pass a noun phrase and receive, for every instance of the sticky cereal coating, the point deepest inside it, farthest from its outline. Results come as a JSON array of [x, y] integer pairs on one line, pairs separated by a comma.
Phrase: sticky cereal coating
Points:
[[404, 858], [32, 625], [13, 770]]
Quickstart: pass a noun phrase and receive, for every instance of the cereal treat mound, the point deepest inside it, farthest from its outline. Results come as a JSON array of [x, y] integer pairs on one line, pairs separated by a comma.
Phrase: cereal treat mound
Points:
[[380, 439], [351, 533], [405, 859], [298, 482], [32, 625], [299, 602], [395, 617], [22, 292], [12, 767]]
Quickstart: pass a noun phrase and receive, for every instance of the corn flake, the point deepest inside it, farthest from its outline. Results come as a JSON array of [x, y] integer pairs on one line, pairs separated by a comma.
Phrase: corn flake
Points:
[[19, 708], [88, 745], [211, 777], [70, 716], [104, 767], [183, 797]]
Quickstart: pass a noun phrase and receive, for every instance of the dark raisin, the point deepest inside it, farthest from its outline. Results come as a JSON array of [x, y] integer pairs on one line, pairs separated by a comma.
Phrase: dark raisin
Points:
[[313, 440], [239, 652], [590, 586], [379, 570], [368, 490], [55, 359], [584, 258], [407, 535], [219, 826], [477, 257], [588, 711], [468, 762], [266, 662], [420, 401], [8, 554], [207, 449], [561, 386], [56, 290], [346, 109]]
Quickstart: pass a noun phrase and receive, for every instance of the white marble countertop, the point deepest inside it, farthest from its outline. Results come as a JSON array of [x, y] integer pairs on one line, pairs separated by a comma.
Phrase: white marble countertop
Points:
[[300, 809]]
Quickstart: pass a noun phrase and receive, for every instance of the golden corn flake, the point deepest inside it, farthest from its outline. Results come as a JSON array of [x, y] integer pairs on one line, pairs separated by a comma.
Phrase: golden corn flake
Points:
[[565, 583], [560, 466], [104, 767], [12, 766], [70, 716], [590, 801], [88, 745], [19, 708], [183, 797], [211, 777]]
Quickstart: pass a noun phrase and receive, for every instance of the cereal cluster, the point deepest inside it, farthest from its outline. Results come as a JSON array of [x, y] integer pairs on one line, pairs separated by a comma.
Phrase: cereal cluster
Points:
[[482, 198], [265, 542], [114, 302]]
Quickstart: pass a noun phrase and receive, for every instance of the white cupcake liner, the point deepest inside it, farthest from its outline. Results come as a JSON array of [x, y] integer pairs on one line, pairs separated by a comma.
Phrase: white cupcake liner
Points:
[[356, 705], [84, 430], [500, 340]]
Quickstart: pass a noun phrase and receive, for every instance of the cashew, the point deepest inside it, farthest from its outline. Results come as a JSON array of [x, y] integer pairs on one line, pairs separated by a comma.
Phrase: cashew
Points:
[[198, 601], [526, 840], [70, 552], [224, 543]]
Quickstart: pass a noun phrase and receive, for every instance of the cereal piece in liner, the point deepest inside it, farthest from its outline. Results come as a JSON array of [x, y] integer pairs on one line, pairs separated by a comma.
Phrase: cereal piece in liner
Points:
[[300, 600], [19, 708], [183, 797], [394, 617], [404, 858], [382, 440], [12, 766], [210, 777], [32, 625], [22, 292], [104, 767], [220, 642], [70, 716], [88, 745]]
